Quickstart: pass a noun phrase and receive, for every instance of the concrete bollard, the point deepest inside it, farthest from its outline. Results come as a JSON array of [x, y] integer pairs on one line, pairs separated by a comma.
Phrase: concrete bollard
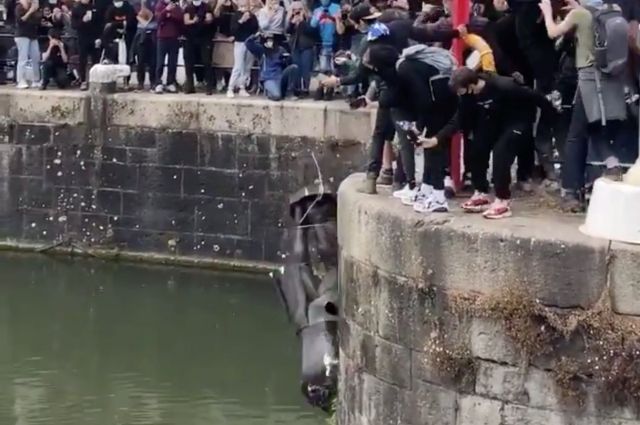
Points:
[[103, 77]]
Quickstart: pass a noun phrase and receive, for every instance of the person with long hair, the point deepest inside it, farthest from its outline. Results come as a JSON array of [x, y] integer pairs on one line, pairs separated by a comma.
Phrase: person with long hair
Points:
[[26, 38]]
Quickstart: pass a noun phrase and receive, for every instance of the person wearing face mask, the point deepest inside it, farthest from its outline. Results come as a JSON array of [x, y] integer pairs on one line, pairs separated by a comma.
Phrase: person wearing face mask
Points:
[[26, 38], [120, 23], [144, 44], [326, 18], [277, 78], [303, 40], [199, 31], [84, 20], [271, 19], [170, 19]]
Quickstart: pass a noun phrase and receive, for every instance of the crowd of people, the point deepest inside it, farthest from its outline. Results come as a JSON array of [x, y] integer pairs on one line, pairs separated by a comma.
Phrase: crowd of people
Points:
[[541, 80]]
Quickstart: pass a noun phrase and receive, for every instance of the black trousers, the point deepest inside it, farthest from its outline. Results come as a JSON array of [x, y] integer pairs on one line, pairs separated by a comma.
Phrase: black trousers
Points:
[[505, 140], [167, 48], [109, 35], [198, 52], [146, 58], [383, 131], [86, 50], [56, 71]]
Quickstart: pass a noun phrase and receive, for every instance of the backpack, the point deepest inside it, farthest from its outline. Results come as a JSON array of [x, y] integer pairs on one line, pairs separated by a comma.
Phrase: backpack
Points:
[[442, 59], [611, 40]]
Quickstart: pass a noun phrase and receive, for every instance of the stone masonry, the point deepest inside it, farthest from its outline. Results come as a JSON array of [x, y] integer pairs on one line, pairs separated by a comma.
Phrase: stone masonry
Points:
[[395, 267], [173, 175]]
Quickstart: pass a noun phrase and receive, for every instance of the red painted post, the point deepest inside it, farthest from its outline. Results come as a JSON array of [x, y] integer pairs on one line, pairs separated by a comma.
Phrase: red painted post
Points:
[[461, 9]]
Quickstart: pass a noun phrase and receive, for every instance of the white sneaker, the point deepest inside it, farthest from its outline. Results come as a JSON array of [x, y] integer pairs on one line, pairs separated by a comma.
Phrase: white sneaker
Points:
[[230, 94], [22, 85], [36, 84], [243, 93], [405, 191], [417, 195], [431, 205], [171, 88], [159, 89], [220, 85]]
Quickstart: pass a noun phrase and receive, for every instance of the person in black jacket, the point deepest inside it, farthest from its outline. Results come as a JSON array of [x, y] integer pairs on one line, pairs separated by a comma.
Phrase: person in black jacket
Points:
[[120, 22], [84, 20], [26, 38], [497, 110], [303, 42], [243, 25], [199, 31], [55, 60]]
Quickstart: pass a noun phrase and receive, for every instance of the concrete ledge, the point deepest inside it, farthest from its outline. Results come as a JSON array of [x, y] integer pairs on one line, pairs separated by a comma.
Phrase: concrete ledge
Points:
[[318, 120], [463, 252]]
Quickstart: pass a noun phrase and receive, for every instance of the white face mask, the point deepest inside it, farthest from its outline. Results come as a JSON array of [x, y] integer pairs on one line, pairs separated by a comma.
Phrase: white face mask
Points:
[[197, 2], [268, 44], [118, 3]]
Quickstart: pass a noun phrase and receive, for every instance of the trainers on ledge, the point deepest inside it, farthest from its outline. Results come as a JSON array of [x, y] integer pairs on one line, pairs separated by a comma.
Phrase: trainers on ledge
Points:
[[385, 178], [231, 94], [477, 203], [431, 205], [405, 191], [243, 93], [500, 208], [419, 194], [159, 89], [84, 86], [22, 85], [369, 185], [171, 88]]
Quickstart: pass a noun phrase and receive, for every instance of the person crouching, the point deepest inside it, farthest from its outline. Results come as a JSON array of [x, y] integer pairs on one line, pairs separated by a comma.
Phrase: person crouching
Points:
[[276, 76], [55, 61]]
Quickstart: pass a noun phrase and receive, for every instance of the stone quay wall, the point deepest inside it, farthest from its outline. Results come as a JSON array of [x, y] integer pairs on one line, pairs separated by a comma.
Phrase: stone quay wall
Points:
[[410, 356], [170, 176]]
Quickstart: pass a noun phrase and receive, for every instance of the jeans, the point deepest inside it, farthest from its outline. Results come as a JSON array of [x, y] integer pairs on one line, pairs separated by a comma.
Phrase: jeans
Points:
[[304, 59], [28, 49], [146, 58], [242, 61], [167, 48], [326, 59], [576, 149], [198, 51], [86, 50], [277, 89], [383, 131]]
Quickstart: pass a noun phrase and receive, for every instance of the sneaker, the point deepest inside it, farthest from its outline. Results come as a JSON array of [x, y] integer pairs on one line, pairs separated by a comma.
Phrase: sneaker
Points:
[[220, 85], [22, 85], [431, 205], [500, 208], [231, 94], [572, 204], [84, 86], [36, 84], [419, 194], [369, 185], [243, 93], [171, 88], [405, 191], [477, 203], [159, 89]]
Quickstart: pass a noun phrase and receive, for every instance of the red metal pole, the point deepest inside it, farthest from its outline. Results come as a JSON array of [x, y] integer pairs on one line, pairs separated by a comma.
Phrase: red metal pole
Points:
[[460, 11]]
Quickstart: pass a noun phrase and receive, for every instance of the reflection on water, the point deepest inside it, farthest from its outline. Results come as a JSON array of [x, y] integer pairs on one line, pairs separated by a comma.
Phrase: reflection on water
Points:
[[91, 343]]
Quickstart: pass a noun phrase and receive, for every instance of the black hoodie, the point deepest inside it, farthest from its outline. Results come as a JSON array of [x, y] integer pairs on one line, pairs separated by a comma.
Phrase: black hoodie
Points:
[[119, 15], [87, 31]]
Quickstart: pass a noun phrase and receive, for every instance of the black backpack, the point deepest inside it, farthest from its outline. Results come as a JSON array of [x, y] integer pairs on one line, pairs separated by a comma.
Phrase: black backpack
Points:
[[611, 43]]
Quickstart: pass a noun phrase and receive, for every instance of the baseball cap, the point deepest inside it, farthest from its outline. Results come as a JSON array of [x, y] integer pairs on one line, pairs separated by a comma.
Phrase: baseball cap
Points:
[[363, 12]]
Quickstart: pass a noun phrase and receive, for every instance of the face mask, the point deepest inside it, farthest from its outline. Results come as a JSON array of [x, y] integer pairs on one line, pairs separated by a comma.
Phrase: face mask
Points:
[[118, 3], [325, 2], [197, 3], [268, 44]]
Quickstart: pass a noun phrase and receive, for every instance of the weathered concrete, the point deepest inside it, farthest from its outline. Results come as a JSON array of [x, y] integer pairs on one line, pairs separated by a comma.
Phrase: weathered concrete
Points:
[[173, 175], [399, 272]]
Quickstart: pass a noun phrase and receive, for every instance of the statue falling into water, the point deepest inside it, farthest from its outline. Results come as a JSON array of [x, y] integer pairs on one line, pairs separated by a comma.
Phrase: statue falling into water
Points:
[[308, 285]]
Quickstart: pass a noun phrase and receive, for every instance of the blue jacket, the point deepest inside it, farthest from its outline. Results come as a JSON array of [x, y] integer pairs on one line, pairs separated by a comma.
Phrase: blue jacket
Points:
[[324, 19], [273, 60]]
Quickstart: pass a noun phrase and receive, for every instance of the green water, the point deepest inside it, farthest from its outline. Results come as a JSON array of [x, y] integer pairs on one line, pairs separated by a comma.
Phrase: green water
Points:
[[92, 343]]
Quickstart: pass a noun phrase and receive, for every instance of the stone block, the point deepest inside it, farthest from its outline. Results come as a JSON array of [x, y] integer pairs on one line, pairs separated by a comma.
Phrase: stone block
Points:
[[392, 363], [346, 125], [177, 148], [489, 342], [210, 183], [224, 217], [297, 119], [624, 278], [248, 116], [158, 179], [114, 175], [383, 403], [521, 415], [473, 410], [66, 107], [109, 202], [218, 151], [433, 405], [499, 382], [32, 134], [173, 112], [113, 154], [359, 291]]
